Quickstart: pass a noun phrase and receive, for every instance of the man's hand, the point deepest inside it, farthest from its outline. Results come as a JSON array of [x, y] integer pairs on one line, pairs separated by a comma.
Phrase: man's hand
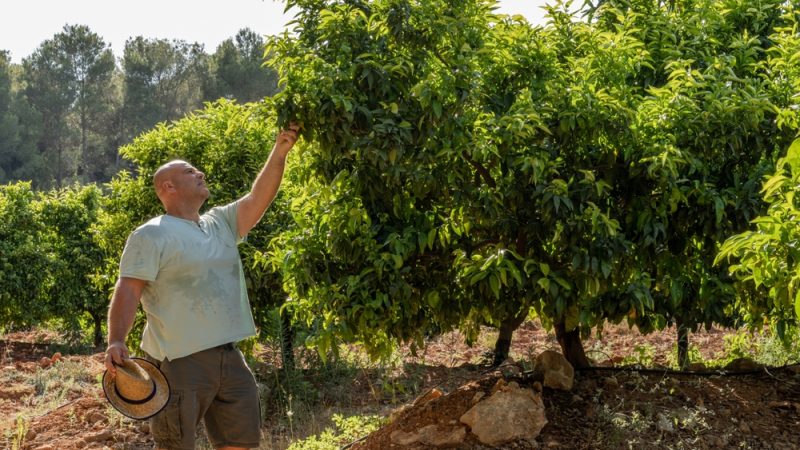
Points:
[[115, 353], [287, 138]]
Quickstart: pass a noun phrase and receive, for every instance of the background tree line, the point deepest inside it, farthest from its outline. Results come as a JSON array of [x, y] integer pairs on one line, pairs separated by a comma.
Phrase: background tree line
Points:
[[69, 106]]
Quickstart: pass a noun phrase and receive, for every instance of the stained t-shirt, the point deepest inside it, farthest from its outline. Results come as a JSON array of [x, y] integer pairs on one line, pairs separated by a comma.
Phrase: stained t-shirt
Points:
[[195, 297]]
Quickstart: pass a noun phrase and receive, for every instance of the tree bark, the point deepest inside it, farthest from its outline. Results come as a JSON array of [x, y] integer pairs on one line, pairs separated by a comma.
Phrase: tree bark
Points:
[[503, 344], [287, 341], [683, 346], [98, 330], [571, 346]]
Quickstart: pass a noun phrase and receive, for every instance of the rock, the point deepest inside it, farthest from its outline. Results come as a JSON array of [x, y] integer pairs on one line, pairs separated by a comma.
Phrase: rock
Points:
[[742, 365], [100, 436], [56, 357], [94, 417], [554, 370], [509, 414], [431, 435], [45, 447], [697, 367], [664, 424], [144, 426], [744, 427], [780, 405], [431, 395], [30, 435], [45, 362], [478, 396], [500, 385], [610, 383], [720, 441]]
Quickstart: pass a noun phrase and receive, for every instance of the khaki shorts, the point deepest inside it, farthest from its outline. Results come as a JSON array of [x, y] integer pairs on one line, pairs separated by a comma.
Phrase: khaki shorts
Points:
[[214, 385]]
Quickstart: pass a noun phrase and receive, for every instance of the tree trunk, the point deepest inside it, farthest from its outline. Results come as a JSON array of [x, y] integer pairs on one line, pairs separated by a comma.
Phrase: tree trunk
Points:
[[287, 341], [571, 346], [98, 330], [683, 346], [503, 344]]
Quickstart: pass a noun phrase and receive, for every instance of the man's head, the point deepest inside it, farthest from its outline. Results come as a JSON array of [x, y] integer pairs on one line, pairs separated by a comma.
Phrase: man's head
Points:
[[178, 183]]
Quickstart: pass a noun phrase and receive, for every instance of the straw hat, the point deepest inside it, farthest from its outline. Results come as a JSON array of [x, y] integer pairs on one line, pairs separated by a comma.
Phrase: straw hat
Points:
[[140, 390]]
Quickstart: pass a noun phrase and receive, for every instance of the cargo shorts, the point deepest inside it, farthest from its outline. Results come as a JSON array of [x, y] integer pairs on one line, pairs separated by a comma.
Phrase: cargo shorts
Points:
[[213, 385]]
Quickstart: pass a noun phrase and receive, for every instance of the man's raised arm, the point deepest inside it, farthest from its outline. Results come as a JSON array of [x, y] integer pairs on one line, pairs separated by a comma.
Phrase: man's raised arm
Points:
[[265, 187]]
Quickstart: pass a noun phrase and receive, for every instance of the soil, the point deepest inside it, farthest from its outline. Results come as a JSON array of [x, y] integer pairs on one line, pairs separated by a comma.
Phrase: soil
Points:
[[619, 407]]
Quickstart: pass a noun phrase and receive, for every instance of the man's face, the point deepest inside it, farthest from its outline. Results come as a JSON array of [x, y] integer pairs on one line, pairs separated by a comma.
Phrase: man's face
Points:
[[188, 182]]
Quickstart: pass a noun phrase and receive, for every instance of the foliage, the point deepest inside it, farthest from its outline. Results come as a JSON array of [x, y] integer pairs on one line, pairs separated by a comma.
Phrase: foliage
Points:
[[68, 78], [468, 167], [766, 257], [24, 259], [66, 110], [162, 81], [69, 216], [348, 429], [237, 70]]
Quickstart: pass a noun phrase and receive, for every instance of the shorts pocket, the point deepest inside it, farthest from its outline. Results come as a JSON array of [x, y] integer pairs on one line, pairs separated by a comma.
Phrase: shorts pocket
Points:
[[166, 425]]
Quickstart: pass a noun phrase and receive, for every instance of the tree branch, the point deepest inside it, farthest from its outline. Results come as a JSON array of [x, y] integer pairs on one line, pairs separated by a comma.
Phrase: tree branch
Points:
[[482, 171]]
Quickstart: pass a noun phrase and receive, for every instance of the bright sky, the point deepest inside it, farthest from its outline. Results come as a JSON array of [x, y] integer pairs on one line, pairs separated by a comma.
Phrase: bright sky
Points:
[[24, 25]]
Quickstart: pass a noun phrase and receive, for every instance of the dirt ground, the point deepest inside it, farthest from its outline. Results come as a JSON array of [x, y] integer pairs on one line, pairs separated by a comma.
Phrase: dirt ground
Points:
[[609, 407]]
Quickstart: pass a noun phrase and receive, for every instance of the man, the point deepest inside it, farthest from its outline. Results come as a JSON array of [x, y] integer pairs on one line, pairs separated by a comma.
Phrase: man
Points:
[[185, 270]]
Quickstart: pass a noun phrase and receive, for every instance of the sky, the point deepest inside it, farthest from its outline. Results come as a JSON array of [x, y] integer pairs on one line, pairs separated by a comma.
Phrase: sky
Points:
[[24, 25]]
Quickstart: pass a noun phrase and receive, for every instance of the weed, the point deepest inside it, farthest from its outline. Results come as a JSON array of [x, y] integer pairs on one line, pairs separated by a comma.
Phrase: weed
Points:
[[347, 429], [19, 433], [767, 349], [642, 356]]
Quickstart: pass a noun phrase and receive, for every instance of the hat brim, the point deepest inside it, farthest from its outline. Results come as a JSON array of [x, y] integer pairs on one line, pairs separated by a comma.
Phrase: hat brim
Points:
[[144, 410]]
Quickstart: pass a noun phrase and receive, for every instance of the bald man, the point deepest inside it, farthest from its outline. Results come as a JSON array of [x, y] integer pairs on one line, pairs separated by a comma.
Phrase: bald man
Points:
[[185, 270]]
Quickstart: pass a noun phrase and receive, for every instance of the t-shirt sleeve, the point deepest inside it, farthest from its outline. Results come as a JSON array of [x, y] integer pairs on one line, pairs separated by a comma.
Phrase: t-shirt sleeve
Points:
[[226, 215], [141, 257]]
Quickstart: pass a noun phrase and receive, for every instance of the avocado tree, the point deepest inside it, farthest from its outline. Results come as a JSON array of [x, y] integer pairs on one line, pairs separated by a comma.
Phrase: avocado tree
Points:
[[707, 130], [764, 256], [24, 260], [455, 165], [69, 217]]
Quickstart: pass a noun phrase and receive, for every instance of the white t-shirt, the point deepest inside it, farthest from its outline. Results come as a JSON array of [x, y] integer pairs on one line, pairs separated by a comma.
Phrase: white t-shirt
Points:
[[195, 297]]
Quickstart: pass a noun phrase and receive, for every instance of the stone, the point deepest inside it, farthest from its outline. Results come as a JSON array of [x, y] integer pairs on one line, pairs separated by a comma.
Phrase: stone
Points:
[[744, 427], [429, 396], [45, 362], [742, 365], [554, 370], [100, 436], [697, 367], [664, 424], [509, 414], [56, 357], [45, 447], [430, 436], [94, 417], [610, 383]]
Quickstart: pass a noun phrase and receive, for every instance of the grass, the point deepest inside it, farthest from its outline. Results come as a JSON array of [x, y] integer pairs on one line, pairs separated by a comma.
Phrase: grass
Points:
[[50, 387]]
